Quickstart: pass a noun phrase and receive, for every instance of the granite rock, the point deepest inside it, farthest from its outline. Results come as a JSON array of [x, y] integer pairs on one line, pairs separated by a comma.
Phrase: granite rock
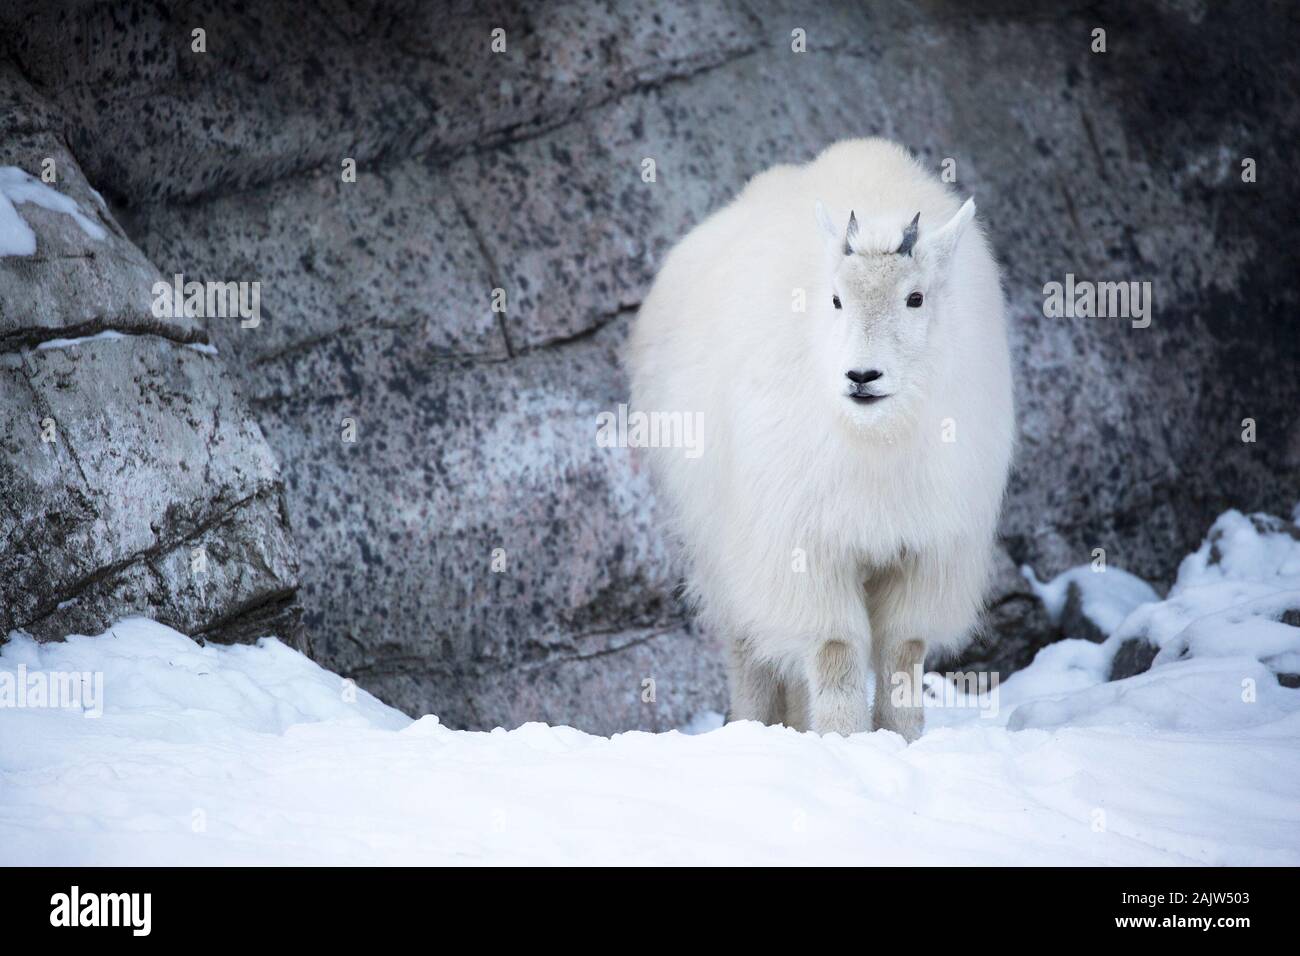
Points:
[[133, 479]]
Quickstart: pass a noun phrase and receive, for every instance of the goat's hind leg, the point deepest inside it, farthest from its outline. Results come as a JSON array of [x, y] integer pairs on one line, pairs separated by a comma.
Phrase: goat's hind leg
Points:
[[796, 702], [757, 692]]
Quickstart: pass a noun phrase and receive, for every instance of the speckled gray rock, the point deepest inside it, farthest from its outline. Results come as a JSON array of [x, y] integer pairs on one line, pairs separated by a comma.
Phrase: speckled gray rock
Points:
[[389, 252], [524, 171], [1074, 622], [474, 540], [132, 478], [286, 87], [1133, 657]]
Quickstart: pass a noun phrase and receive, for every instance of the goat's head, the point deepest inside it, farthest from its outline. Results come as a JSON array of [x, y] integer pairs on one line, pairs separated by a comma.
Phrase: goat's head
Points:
[[885, 281]]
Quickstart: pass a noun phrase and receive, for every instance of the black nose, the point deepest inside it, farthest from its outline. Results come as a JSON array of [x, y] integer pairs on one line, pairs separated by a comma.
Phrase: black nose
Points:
[[861, 376]]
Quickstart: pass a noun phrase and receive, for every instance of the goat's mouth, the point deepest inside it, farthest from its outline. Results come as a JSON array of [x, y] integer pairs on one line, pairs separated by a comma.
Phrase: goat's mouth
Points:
[[865, 398]]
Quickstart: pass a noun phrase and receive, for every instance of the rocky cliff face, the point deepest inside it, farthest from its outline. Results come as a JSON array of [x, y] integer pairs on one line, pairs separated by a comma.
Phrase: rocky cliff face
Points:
[[466, 548], [133, 479]]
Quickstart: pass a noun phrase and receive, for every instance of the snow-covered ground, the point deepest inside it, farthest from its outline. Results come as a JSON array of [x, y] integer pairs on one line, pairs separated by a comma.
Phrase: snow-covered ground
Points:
[[205, 755]]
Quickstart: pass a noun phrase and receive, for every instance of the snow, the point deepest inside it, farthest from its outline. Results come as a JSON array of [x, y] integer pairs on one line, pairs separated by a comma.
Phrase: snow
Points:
[[254, 754], [16, 186], [109, 335], [1227, 594], [106, 335], [1109, 594]]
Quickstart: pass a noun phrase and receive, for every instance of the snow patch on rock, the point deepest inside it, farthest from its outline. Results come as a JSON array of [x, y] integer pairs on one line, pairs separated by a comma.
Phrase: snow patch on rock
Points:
[[106, 335], [1109, 595], [17, 186]]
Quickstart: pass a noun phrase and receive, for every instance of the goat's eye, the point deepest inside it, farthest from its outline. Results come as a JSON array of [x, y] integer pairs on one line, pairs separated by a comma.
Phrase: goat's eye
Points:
[[835, 299], [914, 300]]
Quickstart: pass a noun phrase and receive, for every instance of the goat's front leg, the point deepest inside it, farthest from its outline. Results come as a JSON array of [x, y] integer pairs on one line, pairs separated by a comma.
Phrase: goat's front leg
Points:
[[837, 688], [906, 717]]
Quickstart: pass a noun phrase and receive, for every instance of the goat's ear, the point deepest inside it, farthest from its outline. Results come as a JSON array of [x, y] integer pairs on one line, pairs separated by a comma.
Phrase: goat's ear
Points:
[[937, 247], [824, 220]]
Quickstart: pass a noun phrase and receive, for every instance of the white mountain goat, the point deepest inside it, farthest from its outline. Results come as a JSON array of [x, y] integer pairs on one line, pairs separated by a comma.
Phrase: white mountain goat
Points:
[[853, 384]]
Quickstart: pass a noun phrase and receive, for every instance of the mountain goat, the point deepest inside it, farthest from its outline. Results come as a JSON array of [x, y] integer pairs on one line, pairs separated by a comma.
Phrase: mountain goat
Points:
[[850, 372]]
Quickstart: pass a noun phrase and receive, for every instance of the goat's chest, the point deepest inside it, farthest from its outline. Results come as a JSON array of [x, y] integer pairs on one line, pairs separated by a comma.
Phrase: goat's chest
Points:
[[866, 511]]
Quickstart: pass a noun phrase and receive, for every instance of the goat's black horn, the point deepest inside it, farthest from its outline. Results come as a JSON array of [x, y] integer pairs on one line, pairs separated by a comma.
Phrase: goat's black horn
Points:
[[909, 236], [848, 236]]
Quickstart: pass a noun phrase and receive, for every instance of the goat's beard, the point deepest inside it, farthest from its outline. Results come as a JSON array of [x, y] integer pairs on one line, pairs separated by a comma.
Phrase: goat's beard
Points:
[[894, 420]]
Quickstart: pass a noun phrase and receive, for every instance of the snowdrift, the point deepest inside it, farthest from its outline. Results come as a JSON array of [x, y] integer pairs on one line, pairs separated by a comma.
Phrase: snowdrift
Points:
[[174, 753]]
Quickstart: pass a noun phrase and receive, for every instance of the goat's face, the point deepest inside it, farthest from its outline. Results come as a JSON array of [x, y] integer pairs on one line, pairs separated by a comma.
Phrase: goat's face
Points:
[[873, 340]]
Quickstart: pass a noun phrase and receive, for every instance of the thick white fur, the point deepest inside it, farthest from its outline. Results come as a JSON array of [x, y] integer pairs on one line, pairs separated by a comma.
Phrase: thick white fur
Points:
[[824, 538]]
